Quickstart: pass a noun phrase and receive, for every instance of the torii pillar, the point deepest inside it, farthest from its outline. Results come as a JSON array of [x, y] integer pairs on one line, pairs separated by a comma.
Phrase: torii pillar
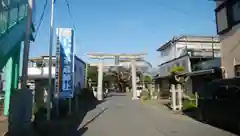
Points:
[[100, 80], [134, 84]]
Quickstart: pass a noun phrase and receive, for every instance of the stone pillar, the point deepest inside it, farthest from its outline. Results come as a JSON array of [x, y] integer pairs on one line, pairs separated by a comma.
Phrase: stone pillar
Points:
[[134, 87], [100, 80], [179, 96], [173, 99]]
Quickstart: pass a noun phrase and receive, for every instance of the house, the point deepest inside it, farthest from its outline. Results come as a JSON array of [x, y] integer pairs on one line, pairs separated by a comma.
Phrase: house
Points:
[[187, 51], [228, 28], [198, 55], [38, 67]]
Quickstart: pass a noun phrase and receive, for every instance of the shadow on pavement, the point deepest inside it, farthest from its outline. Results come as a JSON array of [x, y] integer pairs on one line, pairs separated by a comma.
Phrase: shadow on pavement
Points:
[[115, 94], [69, 125], [94, 118], [193, 113]]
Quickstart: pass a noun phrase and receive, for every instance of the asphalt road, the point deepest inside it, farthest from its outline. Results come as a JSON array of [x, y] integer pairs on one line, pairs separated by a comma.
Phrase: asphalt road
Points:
[[119, 115]]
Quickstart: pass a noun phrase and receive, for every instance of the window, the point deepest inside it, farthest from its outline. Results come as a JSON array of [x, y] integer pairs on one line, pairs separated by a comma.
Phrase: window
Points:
[[236, 11], [30, 64], [178, 64], [34, 64], [13, 16], [227, 16], [169, 69], [22, 11], [237, 70], [184, 64], [39, 65], [3, 21], [164, 53], [5, 2], [222, 22]]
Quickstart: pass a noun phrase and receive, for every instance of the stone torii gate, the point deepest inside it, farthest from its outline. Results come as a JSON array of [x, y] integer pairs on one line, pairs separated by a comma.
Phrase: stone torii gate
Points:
[[116, 57]]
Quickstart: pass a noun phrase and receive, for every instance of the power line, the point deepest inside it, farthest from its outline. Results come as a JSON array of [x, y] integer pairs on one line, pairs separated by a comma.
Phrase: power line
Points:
[[184, 12], [73, 23], [41, 18], [70, 13]]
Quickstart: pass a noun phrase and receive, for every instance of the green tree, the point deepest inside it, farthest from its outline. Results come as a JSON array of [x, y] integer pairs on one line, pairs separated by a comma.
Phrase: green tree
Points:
[[107, 77], [92, 73], [147, 79], [177, 77]]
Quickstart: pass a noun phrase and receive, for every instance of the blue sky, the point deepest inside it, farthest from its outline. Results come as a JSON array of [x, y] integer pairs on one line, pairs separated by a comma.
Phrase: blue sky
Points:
[[125, 26]]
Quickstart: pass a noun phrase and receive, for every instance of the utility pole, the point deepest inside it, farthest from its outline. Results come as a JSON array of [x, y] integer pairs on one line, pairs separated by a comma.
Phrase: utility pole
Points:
[[26, 46], [49, 94]]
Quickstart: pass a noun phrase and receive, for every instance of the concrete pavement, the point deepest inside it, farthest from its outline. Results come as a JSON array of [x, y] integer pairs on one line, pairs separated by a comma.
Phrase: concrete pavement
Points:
[[119, 115]]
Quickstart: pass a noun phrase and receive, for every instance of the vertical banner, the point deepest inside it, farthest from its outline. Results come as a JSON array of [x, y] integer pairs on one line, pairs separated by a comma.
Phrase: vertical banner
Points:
[[64, 65], [57, 68]]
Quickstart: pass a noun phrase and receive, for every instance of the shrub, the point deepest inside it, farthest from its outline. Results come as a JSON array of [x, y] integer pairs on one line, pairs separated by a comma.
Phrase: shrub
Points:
[[87, 95], [145, 95], [188, 105], [155, 93], [147, 79], [177, 69]]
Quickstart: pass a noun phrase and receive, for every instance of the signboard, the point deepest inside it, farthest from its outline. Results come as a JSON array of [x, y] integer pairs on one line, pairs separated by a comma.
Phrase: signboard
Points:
[[64, 64]]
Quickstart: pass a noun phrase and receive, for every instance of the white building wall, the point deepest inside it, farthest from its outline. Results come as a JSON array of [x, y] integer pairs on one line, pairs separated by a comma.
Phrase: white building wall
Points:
[[165, 69], [179, 49], [34, 71], [230, 51], [190, 45], [168, 54]]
